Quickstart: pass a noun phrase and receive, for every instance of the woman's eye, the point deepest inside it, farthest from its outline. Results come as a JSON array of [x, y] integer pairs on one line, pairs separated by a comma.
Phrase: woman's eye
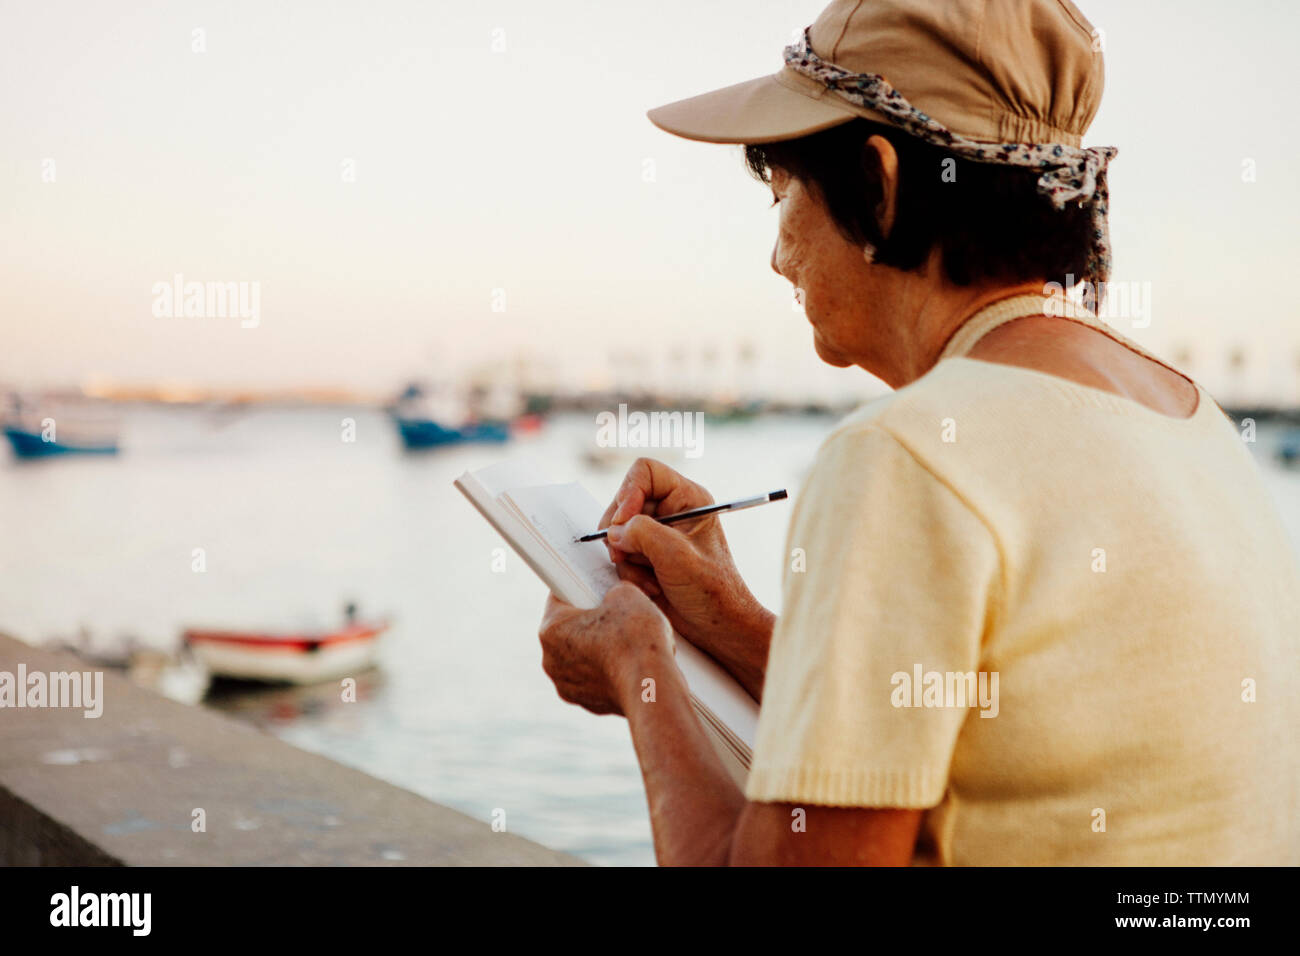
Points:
[[775, 199]]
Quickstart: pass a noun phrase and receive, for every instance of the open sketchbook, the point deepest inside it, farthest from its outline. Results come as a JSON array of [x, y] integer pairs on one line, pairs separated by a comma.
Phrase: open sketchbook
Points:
[[540, 520]]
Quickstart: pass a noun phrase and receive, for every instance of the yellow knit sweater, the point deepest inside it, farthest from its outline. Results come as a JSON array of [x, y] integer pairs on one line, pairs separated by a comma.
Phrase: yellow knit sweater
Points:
[[1066, 625]]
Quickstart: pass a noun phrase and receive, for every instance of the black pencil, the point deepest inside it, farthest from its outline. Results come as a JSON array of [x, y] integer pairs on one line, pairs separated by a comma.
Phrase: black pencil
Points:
[[704, 511]]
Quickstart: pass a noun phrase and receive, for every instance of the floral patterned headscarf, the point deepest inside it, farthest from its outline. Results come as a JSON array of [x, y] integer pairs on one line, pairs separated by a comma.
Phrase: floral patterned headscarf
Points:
[[1069, 174]]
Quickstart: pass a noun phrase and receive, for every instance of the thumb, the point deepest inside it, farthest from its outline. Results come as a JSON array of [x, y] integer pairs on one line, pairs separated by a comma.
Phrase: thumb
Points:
[[662, 545]]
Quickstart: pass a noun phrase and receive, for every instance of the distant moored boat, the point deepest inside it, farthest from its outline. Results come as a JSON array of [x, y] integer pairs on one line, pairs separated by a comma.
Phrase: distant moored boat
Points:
[[1288, 449], [422, 417], [292, 658], [28, 443], [426, 433]]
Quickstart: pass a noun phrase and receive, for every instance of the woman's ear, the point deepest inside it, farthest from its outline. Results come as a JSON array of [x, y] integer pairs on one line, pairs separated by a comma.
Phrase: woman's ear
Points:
[[883, 161]]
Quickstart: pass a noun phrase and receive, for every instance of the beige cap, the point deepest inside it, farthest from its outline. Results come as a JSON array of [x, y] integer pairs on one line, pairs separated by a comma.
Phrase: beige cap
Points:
[[998, 71]]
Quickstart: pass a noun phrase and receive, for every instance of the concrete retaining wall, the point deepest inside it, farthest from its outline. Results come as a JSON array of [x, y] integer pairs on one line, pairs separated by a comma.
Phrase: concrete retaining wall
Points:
[[121, 789]]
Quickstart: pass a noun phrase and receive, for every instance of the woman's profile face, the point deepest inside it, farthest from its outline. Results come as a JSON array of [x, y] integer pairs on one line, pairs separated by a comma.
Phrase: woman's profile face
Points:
[[831, 273]]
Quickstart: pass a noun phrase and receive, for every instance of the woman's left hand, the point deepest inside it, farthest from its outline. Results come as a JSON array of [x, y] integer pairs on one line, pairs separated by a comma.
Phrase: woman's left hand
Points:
[[596, 657]]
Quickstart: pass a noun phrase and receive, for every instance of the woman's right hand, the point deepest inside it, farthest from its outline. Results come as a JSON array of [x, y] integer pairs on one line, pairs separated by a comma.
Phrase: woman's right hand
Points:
[[687, 569]]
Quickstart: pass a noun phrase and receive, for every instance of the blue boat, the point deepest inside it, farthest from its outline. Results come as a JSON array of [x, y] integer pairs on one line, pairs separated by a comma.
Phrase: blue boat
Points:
[[1288, 449], [414, 415], [30, 444], [426, 433]]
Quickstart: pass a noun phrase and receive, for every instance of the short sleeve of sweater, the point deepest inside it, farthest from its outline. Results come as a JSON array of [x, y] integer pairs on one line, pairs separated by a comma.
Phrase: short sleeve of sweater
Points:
[[890, 576]]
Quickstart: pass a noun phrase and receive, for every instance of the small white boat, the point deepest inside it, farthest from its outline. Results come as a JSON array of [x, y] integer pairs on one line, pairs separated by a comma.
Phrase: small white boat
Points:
[[292, 658]]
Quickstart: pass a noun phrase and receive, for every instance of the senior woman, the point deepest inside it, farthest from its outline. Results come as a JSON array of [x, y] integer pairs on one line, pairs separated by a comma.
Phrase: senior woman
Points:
[[1039, 501]]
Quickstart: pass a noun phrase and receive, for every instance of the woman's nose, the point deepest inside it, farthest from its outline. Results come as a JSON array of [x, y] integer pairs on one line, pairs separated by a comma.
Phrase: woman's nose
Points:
[[775, 246]]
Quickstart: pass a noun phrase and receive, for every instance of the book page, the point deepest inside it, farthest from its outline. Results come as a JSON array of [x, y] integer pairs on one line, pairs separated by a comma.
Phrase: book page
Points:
[[560, 513], [512, 473]]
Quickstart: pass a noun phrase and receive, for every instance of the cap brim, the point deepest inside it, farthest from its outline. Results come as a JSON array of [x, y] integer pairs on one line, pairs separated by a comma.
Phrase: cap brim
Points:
[[768, 109]]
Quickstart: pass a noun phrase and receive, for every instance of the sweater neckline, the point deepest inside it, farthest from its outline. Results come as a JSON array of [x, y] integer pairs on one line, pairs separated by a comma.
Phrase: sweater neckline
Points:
[[1015, 307]]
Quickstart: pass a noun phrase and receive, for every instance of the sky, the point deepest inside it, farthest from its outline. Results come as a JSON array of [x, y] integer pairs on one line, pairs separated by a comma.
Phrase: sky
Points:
[[422, 187]]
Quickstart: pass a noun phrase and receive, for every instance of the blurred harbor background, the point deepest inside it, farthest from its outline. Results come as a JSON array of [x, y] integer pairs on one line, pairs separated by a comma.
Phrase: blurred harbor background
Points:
[[294, 522]]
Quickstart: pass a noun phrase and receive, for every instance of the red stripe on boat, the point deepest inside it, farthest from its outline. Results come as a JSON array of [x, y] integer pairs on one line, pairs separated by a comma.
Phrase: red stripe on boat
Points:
[[287, 642]]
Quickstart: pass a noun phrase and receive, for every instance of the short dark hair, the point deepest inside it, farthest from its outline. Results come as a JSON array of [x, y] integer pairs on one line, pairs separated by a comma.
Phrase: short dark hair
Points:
[[988, 220]]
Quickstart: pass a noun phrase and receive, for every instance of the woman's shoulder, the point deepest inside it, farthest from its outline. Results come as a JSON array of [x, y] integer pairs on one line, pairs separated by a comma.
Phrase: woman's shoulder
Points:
[[919, 432], [994, 398], [957, 389], [972, 423]]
